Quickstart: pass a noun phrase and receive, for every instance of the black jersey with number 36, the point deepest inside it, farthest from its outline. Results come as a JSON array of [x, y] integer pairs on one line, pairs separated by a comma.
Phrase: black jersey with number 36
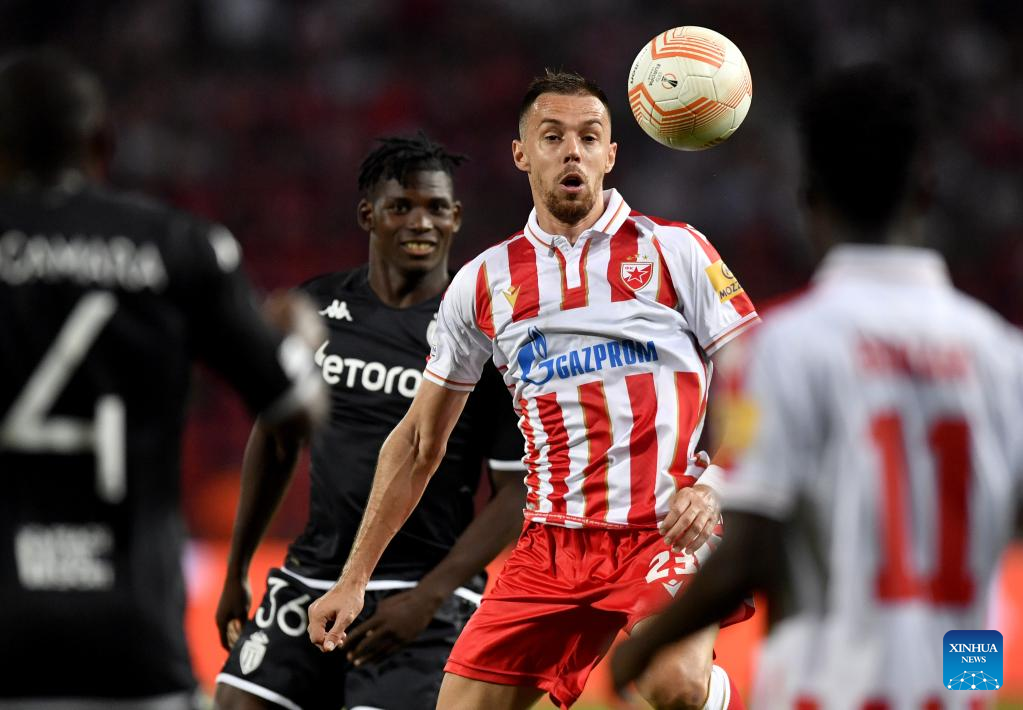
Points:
[[105, 300], [373, 362]]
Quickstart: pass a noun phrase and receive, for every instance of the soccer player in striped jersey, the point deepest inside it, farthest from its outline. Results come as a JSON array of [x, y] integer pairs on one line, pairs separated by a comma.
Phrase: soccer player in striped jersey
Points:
[[602, 321], [878, 481]]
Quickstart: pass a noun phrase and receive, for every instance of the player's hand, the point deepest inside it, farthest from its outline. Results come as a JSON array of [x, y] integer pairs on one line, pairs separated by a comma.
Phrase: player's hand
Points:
[[293, 312], [398, 620], [332, 613], [233, 610], [692, 515], [628, 662]]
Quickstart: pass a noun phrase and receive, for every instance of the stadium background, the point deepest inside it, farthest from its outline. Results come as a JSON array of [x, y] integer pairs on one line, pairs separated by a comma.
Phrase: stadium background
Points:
[[257, 112]]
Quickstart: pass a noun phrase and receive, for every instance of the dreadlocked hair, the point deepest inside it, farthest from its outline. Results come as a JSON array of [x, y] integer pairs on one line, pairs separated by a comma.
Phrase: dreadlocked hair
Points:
[[396, 157]]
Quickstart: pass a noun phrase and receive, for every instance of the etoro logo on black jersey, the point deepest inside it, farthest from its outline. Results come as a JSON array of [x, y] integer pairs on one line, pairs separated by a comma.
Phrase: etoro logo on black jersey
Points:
[[353, 372], [592, 358]]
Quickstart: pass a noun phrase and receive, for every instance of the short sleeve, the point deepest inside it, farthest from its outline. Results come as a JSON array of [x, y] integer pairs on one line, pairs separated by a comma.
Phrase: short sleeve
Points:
[[273, 374], [713, 302], [771, 419], [460, 348]]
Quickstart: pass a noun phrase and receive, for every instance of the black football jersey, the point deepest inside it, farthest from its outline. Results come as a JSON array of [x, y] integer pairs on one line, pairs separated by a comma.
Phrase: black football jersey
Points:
[[373, 361], [105, 300]]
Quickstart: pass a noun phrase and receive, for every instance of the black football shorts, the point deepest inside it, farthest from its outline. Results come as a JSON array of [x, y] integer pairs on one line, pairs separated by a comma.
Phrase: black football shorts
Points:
[[274, 659]]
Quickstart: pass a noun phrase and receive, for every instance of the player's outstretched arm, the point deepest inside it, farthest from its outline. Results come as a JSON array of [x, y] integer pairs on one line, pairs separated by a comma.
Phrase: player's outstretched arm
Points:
[[267, 468], [743, 562], [400, 618], [408, 458]]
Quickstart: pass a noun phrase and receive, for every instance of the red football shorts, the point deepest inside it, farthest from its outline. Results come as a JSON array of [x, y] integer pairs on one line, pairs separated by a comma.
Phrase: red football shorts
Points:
[[562, 597]]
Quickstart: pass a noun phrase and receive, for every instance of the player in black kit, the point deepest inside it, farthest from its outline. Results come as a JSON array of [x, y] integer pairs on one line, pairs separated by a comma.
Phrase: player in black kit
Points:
[[105, 300], [380, 319]]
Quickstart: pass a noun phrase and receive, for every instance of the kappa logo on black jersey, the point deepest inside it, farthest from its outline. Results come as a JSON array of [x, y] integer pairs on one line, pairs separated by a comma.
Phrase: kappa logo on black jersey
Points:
[[338, 310], [370, 376]]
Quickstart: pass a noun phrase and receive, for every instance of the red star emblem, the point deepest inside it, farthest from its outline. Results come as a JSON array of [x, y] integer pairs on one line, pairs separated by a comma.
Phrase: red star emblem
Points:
[[636, 274]]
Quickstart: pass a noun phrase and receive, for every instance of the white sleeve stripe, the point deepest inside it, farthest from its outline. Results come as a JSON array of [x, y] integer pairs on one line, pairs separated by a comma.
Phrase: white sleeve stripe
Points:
[[447, 384], [511, 465], [729, 332]]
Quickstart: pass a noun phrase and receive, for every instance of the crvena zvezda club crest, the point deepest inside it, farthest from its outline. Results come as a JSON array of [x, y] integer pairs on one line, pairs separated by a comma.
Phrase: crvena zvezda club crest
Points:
[[636, 274]]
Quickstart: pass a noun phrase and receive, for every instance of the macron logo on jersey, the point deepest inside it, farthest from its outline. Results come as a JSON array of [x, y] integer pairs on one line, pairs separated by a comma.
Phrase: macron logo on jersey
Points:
[[338, 310], [592, 358]]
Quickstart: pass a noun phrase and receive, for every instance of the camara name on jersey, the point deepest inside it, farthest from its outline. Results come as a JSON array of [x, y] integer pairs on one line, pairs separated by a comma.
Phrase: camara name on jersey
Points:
[[111, 262]]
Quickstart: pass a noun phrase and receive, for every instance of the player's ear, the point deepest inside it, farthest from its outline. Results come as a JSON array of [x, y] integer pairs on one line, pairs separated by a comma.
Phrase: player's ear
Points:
[[364, 215], [612, 152], [456, 216], [519, 156]]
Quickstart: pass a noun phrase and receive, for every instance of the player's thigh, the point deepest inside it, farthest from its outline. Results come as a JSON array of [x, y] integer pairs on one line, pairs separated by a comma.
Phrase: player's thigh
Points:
[[228, 697], [408, 679], [679, 675], [458, 693]]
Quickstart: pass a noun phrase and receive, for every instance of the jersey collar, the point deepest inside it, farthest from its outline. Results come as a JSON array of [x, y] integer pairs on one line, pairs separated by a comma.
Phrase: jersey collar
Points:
[[614, 216], [891, 264]]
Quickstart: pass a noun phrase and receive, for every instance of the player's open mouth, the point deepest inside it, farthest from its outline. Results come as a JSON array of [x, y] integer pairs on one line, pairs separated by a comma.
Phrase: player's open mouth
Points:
[[418, 248], [572, 183]]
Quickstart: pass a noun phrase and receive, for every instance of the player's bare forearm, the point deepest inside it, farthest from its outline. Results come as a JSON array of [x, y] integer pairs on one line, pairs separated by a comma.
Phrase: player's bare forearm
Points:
[[403, 470], [399, 619], [408, 458], [496, 526], [267, 469]]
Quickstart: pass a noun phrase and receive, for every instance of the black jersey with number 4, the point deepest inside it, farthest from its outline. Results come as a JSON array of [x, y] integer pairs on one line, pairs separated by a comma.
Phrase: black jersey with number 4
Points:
[[373, 362], [105, 300]]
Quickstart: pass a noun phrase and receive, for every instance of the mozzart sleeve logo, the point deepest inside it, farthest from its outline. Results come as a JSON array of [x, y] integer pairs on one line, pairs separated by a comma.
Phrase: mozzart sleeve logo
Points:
[[972, 660], [723, 281]]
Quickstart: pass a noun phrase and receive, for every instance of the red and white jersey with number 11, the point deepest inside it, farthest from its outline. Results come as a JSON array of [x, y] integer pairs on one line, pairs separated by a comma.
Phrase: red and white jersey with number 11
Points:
[[604, 345], [883, 414]]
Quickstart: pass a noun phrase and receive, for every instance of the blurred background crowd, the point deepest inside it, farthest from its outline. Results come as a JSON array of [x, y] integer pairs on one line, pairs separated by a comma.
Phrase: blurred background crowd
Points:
[[256, 113]]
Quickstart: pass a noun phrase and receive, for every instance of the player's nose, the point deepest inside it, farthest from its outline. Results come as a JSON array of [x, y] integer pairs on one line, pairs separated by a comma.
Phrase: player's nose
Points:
[[572, 147], [419, 220]]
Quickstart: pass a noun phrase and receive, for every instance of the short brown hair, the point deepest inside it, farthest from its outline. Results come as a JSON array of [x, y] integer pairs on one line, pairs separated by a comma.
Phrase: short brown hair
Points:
[[565, 83]]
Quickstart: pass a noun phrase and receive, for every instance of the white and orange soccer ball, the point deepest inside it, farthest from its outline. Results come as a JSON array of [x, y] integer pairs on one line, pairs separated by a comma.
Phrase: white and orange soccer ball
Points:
[[690, 88]]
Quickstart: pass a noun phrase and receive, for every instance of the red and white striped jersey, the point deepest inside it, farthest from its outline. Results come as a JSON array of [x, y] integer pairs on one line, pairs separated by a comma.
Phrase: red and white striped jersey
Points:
[[882, 409], [605, 348]]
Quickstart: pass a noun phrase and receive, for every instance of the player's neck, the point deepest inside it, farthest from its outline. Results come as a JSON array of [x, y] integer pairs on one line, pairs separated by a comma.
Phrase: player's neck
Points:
[[552, 225], [401, 289]]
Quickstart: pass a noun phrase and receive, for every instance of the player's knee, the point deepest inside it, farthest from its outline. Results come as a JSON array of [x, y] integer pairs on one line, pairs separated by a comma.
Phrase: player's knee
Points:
[[670, 687], [227, 697]]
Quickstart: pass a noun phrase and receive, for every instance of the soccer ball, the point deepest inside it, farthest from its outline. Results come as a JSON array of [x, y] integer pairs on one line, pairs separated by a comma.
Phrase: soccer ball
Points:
[[690, 88]]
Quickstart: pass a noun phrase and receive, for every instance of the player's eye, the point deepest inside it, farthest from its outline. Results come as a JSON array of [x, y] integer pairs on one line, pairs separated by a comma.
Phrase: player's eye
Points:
[[552, 138], [400, 207]]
